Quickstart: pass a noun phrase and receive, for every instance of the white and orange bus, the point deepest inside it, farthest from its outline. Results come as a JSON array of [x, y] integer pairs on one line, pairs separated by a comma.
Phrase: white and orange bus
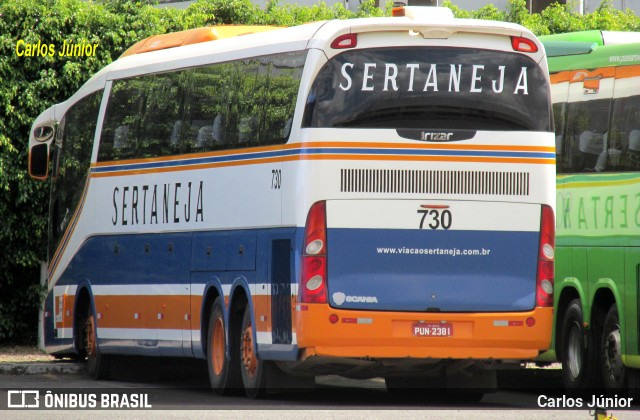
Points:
[[369, 198]]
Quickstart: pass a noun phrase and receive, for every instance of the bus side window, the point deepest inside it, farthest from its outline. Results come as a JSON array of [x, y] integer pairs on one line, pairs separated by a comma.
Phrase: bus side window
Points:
[[588, 135], [633, 152], [163, 103], [73, 146], [243, 103], [119, 137], [626, 114], [559, 116]]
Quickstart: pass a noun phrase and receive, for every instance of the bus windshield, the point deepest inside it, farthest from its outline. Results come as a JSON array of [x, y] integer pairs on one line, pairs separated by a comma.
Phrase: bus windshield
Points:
[[430, 87]]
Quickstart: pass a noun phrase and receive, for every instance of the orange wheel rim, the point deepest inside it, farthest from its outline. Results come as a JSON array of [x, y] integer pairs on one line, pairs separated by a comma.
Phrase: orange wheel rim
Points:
[[249, 360], [91, 336], [217, 354]]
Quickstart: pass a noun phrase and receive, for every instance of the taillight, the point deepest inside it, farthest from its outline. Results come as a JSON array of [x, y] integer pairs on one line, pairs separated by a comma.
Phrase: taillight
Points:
[[523, 44], [313, 278], [546, 255], [345, 41]]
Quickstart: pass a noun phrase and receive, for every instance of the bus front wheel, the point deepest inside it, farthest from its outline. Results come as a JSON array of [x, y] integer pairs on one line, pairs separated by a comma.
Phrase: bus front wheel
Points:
[[223, 374], [97, 363], [579, 350]]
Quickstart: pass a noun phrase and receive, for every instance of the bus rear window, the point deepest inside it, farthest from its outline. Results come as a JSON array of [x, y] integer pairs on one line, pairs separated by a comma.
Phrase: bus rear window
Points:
[[430, 87]]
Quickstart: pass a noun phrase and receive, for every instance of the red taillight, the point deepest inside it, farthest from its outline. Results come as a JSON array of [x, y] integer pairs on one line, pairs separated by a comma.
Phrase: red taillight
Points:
[[313, 278], [345, 41], [546, 255], [523, 44]]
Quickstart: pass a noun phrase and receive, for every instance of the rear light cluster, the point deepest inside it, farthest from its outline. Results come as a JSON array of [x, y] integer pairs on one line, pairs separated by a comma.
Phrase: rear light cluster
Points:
[[522, 44], [313, 281], [546, 254], [345, 41]]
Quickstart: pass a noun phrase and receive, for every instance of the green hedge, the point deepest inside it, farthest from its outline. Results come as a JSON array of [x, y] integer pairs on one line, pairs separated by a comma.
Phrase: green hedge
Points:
[[29, 85]]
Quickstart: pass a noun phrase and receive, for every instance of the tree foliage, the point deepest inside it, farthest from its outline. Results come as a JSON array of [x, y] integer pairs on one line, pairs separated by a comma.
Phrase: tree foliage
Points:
[[557, 18], [32, 84]]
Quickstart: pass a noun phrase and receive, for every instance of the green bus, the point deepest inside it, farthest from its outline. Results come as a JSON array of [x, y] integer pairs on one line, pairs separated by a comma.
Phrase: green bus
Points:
[[595, 78]]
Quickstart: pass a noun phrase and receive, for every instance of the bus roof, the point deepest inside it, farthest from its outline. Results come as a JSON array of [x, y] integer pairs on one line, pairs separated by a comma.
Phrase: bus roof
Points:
[[194, 36], [180, 52], [582, 36], [596, 36], [591, 49], [313, 35]]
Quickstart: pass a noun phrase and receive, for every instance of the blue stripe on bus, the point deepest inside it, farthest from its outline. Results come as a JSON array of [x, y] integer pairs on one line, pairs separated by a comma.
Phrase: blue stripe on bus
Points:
[[177, 259], [321, 151]]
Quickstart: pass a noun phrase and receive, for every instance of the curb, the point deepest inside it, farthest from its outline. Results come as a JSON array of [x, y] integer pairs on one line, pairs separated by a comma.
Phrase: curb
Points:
[[41, 368]]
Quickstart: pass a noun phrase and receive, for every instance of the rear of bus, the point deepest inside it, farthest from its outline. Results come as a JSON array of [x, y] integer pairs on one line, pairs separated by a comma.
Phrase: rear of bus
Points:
[[426, 188]]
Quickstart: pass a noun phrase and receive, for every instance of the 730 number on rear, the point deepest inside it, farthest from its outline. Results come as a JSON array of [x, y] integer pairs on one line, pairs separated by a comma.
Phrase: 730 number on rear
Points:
[[435, 217]]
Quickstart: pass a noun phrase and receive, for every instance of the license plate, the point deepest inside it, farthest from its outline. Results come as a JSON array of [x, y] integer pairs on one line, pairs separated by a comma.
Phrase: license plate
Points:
[[421, 329]]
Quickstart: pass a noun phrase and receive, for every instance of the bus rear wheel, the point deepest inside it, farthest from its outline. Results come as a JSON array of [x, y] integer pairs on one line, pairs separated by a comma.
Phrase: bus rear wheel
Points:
[[222, 375], [579, 350], [97, 363], [253, 370], [614, 373]]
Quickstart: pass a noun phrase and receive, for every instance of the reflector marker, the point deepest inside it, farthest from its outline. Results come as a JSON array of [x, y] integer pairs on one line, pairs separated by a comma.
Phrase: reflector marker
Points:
[[433, 206], [506, 323], [366, 321]]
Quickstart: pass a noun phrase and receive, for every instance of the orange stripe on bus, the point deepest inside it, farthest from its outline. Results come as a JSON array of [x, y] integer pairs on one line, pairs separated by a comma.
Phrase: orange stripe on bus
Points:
[[262, 312], [430, 146], [156, 312], [230, 152], [164, 311], [508, 160], [67, 311], [601, 73], [435, 159], [351, 145], [626, 72], [576, 76], [560, 77]]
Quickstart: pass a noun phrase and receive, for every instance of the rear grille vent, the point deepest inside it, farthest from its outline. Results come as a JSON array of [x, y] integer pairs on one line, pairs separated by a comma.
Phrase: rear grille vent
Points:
[[434, 182]]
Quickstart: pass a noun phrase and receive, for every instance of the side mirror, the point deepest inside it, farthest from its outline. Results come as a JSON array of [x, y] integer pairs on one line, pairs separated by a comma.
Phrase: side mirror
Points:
[[39, 151], [39, 161]]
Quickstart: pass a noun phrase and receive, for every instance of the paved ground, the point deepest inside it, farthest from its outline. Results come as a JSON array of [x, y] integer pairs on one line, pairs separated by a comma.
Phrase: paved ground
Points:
[[26, 368], [26, 360]]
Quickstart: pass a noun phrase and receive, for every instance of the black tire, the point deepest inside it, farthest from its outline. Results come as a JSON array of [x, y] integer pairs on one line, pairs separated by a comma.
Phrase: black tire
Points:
[[614, 373], [579, 350], [97, 362], [253, 370], [222, 361]]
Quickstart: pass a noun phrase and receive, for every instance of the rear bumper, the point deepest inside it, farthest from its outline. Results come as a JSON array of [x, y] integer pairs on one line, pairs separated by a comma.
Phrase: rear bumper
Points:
[[371, 334]]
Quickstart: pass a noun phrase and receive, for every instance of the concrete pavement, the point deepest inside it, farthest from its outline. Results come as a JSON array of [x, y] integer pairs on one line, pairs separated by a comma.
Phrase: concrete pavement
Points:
[[41, 368]]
